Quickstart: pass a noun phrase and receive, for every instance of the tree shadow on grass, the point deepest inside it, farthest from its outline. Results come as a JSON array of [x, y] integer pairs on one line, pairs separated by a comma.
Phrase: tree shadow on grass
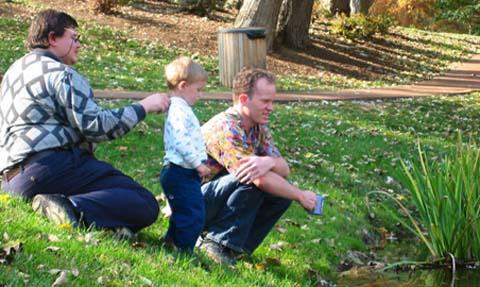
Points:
[[371, 59], [166, 8]]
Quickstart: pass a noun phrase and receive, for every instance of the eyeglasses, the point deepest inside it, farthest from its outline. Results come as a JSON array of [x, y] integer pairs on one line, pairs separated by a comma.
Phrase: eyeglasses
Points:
[[75, 36]]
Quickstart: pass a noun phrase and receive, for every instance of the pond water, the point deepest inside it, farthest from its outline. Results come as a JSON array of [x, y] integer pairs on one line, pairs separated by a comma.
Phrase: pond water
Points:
[[406, 251], [421, 278]]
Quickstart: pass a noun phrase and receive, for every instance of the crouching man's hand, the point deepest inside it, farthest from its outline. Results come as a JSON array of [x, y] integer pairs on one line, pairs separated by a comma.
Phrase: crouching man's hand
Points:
[[307, 200]]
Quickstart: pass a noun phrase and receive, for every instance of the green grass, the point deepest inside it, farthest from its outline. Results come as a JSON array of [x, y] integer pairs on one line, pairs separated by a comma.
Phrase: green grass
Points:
[[345, 149]]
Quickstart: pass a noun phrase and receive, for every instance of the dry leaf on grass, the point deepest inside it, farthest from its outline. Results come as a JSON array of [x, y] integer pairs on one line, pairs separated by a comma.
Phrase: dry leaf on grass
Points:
[[52, 238], [62, 279], [8, 251], [53, 248], [273, 261], [279, 246]]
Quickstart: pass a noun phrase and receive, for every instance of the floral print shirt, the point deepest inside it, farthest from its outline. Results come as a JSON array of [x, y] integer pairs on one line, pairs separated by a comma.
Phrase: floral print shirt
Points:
[[227, 142]]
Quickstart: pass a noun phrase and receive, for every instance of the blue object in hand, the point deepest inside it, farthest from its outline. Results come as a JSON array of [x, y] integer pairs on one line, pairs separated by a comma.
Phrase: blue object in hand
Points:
[[318, 210]]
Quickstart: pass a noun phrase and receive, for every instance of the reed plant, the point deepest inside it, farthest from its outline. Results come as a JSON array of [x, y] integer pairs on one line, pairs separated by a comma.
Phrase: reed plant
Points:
[[446, 195]]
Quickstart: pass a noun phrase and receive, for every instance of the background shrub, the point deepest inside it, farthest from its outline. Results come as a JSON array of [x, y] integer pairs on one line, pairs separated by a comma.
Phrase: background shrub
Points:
[[102, 6], [360, 26], [463, 14]]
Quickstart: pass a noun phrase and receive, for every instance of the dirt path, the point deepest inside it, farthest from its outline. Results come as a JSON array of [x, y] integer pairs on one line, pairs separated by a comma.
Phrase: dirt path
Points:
[[463, 79]]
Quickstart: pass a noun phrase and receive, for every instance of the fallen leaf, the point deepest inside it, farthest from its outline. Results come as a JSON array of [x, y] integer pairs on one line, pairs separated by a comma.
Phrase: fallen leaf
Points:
[[9, 250], [139, 244], [53, 238], [166, 211], [281, 229], [316, 240], [291, 222], [89, 238], [5, 198], [65, 226], [279, 246], [273, 261], [100, 280], [146, 281], [260, 266], [53, 248], [54, 271], [161, 198], [62, 279], [75, 272]]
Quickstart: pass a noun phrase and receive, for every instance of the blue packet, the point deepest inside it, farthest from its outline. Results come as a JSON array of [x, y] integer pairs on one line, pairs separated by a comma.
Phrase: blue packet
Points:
[[318, 210]]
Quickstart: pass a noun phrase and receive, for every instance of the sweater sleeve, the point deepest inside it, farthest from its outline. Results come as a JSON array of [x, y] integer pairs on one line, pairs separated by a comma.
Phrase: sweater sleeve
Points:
[[83, 113]]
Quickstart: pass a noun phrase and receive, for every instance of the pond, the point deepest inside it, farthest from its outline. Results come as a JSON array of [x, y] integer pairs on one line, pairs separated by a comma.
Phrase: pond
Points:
[[420, 278], [407, 250]]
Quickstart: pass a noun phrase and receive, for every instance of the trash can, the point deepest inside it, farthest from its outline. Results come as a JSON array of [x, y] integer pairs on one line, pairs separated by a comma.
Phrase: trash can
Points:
[[238, 48]]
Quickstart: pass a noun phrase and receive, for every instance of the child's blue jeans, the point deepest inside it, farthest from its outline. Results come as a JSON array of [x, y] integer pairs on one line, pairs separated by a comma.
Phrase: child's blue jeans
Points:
[[182, 188]]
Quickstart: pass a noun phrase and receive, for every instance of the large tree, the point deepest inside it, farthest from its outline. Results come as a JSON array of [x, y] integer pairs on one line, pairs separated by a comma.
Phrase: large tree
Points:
[[260, 13], [338, 6], [294, 23], [360, 6]]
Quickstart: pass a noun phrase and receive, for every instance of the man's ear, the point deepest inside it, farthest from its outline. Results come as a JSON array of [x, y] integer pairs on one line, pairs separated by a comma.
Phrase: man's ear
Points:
[[243, 98], [52, 39]]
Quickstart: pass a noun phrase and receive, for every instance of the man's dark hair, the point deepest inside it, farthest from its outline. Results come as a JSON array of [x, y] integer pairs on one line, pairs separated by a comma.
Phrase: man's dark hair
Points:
[[46, 22], [245, 80]]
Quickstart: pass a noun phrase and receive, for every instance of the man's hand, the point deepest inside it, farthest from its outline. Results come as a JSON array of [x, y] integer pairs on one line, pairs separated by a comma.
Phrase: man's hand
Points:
[[253, 167], [307, 200], [155, 103], [203, 170]]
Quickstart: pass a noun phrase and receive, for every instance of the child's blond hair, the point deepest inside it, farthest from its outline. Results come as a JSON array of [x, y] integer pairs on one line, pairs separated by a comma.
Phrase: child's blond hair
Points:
[[184, 69]]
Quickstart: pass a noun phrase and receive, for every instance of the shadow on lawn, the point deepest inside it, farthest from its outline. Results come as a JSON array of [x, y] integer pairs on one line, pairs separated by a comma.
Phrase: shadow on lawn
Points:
[[373, 59]]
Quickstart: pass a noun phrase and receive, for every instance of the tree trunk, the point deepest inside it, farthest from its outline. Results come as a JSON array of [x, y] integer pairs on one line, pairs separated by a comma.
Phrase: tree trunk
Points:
[[260, 13], [360, 6], [339, 6], [294, 23]]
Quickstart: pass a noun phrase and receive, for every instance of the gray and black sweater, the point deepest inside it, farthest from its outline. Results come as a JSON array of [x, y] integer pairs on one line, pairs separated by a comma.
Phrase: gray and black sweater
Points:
[[46, 104]]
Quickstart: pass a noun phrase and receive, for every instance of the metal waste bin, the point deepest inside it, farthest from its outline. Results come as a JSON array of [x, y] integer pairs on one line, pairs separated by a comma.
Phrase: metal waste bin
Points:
[[238, 48]]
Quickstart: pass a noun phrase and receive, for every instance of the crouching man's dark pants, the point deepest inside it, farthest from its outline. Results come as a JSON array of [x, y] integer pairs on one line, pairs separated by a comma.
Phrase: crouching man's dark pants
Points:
[[240, 216]]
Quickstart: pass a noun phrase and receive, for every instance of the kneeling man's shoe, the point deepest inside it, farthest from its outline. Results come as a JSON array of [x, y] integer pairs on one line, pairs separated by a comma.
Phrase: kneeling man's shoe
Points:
[[57, 208], [218, 253]]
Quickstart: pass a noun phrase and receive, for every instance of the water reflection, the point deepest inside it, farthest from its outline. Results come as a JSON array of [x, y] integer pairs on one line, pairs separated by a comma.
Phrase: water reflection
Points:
[[421, 278]]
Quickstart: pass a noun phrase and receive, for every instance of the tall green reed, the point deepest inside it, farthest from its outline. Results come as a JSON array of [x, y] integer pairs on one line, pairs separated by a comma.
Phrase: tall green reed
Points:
[[446, 195]]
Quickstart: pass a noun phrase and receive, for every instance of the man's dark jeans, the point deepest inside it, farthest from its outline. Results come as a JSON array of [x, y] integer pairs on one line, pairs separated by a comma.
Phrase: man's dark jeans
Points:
[[182, 189], [240, 216], [106, 197]]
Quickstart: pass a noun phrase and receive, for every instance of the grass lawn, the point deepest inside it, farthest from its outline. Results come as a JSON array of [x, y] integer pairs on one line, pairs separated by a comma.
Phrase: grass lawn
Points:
[[345, 149]]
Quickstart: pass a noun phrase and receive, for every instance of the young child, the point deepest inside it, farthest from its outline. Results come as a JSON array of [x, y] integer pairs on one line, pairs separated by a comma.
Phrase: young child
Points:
[[184, 154]]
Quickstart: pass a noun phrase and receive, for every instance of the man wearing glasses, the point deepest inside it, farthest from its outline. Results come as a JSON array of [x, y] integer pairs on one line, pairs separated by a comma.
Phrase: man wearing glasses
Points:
[[49, 123]]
